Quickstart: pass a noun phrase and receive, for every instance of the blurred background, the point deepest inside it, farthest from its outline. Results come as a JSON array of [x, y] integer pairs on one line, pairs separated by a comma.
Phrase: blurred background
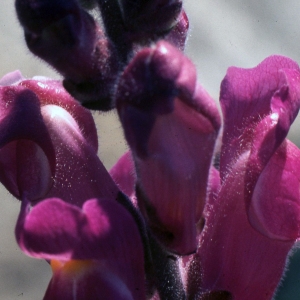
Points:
[[223, 33]]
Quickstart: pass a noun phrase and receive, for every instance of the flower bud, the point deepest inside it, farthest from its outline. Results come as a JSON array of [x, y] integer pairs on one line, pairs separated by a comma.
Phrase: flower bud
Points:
[[171, 125]]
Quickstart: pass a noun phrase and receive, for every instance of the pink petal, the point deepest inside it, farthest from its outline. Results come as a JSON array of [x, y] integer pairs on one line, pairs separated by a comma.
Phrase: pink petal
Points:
[[233, 256], [250, 95], [21, 125], [11, 78], [79, 173], [123, 174], [52, 92], [93, 282], [275, 205], [171, 125], [178, 34], [256, 164], [101, 231]]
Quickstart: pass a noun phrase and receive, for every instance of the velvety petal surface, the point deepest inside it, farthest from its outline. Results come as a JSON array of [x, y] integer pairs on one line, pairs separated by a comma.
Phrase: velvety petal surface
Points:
[[83, 280], [80, 174], [234, 257], [30, 110], [52, 92], [102, 230], [275, 111], [171, 125], [259, 183], [24, 138], [179, 32], [256, 102], [275, 204], [123, 174]]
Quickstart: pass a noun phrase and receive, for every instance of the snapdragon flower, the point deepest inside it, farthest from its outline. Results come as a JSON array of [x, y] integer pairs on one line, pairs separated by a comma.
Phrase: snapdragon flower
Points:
[[69, 212], [252, 219]]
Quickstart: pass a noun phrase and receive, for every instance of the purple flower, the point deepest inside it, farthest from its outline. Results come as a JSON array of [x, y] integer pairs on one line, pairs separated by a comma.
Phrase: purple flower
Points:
[[95, 251], [230, 207], [69, 213], [171, 125], [68, 131], [71, 41], [253, 220]]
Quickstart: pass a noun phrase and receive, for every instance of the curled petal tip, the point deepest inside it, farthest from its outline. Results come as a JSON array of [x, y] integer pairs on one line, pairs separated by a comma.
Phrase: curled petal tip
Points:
[[11, 78], [275, 209]]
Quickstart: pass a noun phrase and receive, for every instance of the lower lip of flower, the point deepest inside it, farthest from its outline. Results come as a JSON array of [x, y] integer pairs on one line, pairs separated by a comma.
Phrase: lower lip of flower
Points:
[[72, 267]]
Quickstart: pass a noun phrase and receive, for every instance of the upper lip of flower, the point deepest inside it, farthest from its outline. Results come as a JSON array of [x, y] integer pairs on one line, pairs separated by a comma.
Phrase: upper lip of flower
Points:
[[28, 109]]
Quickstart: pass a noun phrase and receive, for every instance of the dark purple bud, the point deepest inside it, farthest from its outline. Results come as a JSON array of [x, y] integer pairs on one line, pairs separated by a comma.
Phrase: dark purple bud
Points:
[[155, 16], [35, 15], [115, 28], [69, 39]]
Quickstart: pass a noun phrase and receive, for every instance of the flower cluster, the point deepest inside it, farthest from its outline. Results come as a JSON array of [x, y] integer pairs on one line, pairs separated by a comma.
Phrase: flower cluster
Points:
[[190, 211]]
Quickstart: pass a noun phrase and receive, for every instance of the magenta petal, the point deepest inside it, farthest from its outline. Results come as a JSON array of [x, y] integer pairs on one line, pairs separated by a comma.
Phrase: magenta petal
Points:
[[34, 177], [79, 174], [259, 183], [11, 78], [178, 34], [102, 231], [171, 125], [52, 226], [234, 257], [97, 282], [123, 174], [250, 95], [271, 131], [61, 144], [21, 119], [52, 92], [275, 205]]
